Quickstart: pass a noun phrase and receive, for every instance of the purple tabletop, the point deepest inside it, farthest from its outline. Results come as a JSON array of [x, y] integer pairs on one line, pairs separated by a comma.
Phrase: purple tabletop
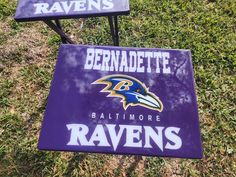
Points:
[[122, 101], [30, 10]]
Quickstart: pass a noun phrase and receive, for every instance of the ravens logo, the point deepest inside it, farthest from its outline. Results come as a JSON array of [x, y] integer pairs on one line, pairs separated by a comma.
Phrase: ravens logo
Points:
[[131, 90]]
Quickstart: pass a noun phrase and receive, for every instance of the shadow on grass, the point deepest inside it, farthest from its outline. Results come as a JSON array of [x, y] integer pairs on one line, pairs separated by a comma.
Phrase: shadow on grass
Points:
[[131, 169], [74, 163]]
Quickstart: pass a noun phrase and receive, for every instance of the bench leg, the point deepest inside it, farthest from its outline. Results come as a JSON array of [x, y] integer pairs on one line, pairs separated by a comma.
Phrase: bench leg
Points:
[[114, 29], [57, 28]]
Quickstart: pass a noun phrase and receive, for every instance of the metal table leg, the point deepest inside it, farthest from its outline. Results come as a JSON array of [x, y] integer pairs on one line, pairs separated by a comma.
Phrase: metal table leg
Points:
[[65, 39], [114, 31], [57, 28], [110, 19], [58, 24]]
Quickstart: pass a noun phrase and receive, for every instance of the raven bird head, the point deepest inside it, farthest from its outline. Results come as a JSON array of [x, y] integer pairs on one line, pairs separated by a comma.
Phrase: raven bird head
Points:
[[131, 90]]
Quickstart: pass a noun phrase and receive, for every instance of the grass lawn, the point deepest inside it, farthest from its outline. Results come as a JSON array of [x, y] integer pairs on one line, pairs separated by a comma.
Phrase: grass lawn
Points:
[[28, 53]]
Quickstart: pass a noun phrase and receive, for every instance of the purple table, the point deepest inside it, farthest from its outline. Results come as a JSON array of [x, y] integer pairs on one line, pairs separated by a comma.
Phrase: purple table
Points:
[[49, 10], [122, 101]]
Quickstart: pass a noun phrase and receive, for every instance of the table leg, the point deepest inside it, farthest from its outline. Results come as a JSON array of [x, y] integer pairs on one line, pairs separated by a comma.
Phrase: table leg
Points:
[[116, 30], [110, 19], [58, 31], [58, 24]]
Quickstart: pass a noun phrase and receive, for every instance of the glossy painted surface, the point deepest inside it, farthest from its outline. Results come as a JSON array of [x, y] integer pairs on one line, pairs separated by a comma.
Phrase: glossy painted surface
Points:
[[73, 98], [29, 10]]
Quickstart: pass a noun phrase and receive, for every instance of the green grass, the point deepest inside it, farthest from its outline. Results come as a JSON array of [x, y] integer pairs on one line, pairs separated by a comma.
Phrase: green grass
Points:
[[27, 57]]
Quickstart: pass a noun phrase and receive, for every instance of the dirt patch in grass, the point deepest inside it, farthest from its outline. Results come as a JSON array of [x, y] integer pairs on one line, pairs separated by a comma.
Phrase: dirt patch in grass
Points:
[[172, 168], [26, 46]]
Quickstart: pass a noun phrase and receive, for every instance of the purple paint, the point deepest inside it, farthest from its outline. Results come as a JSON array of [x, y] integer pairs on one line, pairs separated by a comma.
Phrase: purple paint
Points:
[[29, 10], [80, 117]]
